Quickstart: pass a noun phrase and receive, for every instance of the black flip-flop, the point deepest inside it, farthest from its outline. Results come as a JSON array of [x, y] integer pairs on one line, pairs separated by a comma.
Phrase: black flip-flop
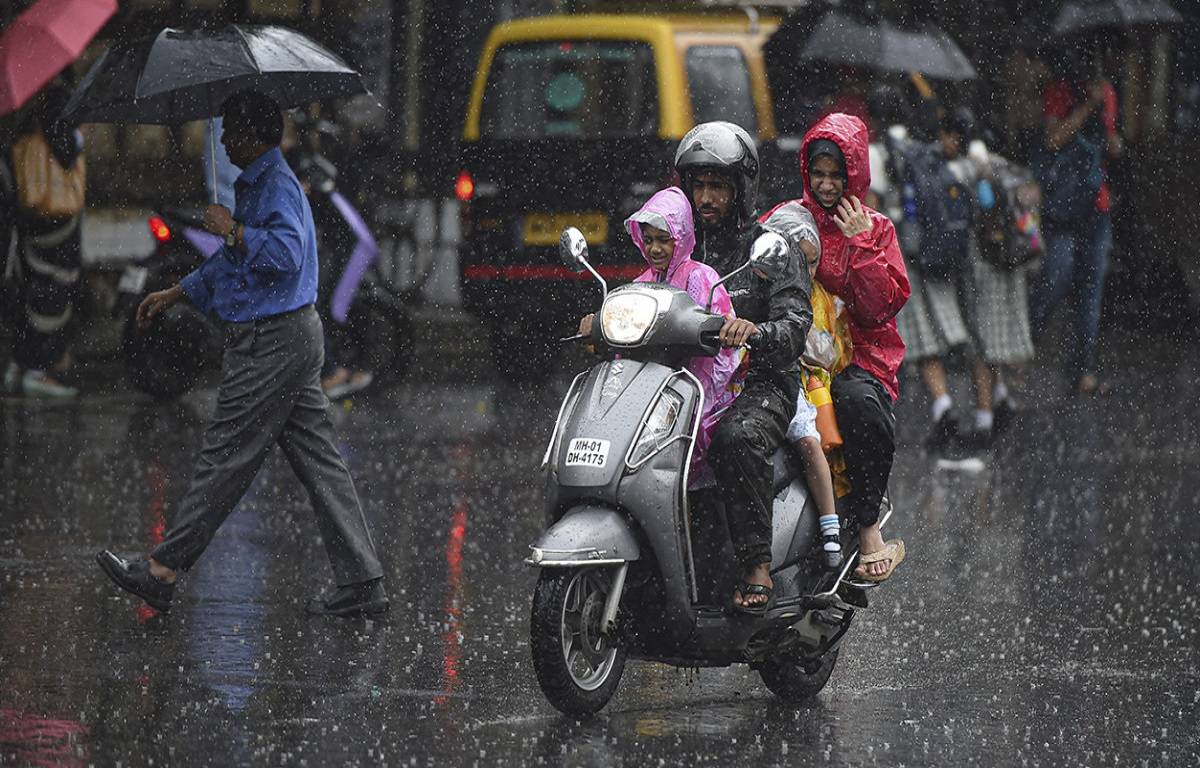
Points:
[[746, 589]]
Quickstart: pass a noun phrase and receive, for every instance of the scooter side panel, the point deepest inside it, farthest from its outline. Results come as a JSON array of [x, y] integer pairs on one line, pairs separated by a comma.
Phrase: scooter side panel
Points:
[[652, 497], [793, 524], [586, 534]]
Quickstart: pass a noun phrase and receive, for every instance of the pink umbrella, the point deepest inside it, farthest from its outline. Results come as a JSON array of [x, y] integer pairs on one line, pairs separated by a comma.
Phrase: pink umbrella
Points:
[[42, 41]]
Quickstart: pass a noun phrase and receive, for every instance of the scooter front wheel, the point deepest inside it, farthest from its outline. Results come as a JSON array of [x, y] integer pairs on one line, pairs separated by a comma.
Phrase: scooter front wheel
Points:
[[577, 667]]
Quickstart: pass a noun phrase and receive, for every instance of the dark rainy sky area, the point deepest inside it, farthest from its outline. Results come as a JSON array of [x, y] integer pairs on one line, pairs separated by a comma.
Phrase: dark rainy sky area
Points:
[[1045, 482]]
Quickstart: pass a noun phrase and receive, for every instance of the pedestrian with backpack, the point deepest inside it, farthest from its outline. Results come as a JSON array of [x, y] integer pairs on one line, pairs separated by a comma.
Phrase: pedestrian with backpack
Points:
[[970, 288], [1080, 110], [937, 207], [1007, 241]]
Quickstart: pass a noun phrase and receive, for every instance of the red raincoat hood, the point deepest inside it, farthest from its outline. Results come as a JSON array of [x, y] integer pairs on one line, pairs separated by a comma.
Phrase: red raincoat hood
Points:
[[850, 134]]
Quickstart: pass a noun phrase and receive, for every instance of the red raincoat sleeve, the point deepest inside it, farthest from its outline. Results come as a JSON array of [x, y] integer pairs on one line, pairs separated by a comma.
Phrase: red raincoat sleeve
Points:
[[876, 280]]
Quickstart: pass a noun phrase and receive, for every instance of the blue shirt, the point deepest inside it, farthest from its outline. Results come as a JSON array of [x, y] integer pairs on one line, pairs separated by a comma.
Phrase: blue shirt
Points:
[[278, 270]]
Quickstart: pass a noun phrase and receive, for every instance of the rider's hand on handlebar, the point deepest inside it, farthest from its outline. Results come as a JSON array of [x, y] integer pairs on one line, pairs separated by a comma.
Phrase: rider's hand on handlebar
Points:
[[737, 332], [585, 325]]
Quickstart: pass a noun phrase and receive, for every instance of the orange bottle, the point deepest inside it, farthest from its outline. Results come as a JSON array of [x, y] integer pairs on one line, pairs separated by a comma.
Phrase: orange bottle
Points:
[[818, 395]]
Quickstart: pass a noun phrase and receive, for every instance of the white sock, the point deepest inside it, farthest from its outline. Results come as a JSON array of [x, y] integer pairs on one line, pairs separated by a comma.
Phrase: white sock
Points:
[[983, 421], [999, 392], [940, 406]]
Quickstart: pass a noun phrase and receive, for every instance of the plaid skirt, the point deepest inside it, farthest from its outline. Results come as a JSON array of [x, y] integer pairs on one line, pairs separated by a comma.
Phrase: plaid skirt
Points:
[[1001, 314], [931, 322], [986, 307]]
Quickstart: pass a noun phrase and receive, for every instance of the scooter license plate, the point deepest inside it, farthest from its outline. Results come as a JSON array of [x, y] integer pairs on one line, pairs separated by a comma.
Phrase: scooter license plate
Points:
[[586, 452], [133, 279]]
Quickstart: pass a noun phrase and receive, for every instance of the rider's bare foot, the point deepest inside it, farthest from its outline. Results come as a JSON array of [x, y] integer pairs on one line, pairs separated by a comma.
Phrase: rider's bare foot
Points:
[[759, 574], [870, 540]]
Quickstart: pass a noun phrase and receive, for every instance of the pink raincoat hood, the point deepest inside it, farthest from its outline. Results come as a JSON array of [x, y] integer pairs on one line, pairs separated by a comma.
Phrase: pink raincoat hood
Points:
[[672, 206]]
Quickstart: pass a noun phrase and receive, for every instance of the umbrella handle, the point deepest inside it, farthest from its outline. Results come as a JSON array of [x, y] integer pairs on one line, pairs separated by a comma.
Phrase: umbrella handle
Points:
[[212, 158]]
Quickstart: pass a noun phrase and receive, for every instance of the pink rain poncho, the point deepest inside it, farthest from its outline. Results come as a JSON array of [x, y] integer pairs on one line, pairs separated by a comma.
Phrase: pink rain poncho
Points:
[[722, 376]]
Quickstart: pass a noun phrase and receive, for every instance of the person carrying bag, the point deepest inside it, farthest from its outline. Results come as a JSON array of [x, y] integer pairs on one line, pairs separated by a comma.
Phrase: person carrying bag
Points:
[[49, 176], [45, 189]]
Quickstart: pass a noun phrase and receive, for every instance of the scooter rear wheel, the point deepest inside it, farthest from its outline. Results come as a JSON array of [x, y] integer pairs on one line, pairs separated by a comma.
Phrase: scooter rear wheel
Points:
[[577, 668], [794, 682]]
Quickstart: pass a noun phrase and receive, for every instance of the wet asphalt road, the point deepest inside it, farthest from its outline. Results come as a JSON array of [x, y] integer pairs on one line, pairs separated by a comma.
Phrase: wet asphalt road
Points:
[[1047, 614]]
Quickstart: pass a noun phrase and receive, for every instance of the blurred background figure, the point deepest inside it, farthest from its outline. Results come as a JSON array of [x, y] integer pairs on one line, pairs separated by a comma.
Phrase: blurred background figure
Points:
[[43, 199], [1080, 109], [1023, 78], [345, 249], [936, 210]]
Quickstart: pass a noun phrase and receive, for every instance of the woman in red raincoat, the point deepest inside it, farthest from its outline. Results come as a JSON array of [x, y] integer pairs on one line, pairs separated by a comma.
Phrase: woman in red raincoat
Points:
[[861, 265]]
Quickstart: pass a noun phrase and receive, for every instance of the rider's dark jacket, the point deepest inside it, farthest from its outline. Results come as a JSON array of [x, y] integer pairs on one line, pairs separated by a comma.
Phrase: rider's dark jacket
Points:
[[782, 308]]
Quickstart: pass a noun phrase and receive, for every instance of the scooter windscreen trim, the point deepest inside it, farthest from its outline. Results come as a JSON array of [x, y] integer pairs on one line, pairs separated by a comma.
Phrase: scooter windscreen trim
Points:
[[683, 489], [557, 431]]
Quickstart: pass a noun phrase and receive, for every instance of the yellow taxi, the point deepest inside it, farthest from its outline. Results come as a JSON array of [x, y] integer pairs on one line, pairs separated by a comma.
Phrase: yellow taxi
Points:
[[573, 120]]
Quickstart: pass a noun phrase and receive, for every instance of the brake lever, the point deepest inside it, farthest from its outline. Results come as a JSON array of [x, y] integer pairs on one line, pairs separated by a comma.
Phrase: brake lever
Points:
[[576, 337]]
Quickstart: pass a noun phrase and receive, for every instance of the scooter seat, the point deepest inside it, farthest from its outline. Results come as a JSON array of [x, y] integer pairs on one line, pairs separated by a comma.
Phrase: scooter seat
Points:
[[788, 466]]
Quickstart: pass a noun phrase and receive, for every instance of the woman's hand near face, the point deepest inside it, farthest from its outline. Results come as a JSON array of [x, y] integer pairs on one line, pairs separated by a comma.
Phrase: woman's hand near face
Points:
[[851, 218]]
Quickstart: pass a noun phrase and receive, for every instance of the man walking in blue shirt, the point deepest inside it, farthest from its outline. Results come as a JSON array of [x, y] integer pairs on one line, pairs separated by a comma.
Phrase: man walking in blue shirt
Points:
[[262, 286]]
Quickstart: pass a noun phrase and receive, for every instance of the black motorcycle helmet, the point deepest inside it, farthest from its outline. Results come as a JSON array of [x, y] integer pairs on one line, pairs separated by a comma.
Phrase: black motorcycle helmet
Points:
[[726, 149]]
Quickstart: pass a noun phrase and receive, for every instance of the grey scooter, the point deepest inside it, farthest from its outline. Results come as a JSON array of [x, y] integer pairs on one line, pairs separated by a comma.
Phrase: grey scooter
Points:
[[619, 559]]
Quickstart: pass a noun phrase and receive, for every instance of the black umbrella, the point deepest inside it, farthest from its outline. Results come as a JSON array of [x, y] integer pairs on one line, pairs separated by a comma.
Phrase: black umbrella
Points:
[[879, 44], [1087, 15], [181, 75]]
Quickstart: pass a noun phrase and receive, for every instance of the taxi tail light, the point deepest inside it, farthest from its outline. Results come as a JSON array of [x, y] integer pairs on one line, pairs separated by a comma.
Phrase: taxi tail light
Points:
[[159, 229], [464, 186]]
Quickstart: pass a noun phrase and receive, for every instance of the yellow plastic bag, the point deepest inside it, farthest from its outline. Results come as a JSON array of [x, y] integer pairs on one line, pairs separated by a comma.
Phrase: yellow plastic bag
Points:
[[44, 188]]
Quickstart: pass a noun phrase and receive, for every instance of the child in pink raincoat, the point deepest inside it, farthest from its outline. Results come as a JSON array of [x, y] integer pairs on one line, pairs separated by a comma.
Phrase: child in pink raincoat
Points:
[[665, 233]]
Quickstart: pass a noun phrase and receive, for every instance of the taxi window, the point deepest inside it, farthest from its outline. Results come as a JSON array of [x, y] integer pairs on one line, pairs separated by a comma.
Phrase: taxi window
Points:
[[720, 85], [574, 89]]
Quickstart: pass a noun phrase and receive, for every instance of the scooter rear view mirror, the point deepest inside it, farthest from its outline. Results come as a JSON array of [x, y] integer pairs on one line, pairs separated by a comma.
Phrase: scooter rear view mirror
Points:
[[572, 249], [769, 255]]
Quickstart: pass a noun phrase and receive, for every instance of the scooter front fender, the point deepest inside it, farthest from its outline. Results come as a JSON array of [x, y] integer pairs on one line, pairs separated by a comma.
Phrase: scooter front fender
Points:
[[586, 535]]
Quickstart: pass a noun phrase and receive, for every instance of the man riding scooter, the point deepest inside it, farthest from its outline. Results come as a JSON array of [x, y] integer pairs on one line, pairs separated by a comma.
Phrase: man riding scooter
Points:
[[718, 167]]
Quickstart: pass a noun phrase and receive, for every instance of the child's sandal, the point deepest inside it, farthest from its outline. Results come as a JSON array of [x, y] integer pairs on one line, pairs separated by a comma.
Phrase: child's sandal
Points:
[[831, 547]]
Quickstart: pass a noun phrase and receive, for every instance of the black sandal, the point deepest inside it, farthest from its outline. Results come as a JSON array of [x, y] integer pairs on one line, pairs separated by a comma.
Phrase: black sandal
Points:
[[746, 589]]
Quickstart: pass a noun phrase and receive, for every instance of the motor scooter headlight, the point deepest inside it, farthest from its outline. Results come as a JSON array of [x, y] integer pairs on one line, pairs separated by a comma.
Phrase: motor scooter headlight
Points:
[[658, 426], [626, 317]]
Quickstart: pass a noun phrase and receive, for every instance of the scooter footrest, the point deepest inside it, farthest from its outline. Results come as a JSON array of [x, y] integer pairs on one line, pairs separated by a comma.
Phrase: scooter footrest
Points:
[[854, 596]]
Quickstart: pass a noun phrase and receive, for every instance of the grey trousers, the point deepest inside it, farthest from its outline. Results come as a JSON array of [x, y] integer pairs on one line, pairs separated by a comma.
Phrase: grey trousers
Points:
[[271, 393]]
